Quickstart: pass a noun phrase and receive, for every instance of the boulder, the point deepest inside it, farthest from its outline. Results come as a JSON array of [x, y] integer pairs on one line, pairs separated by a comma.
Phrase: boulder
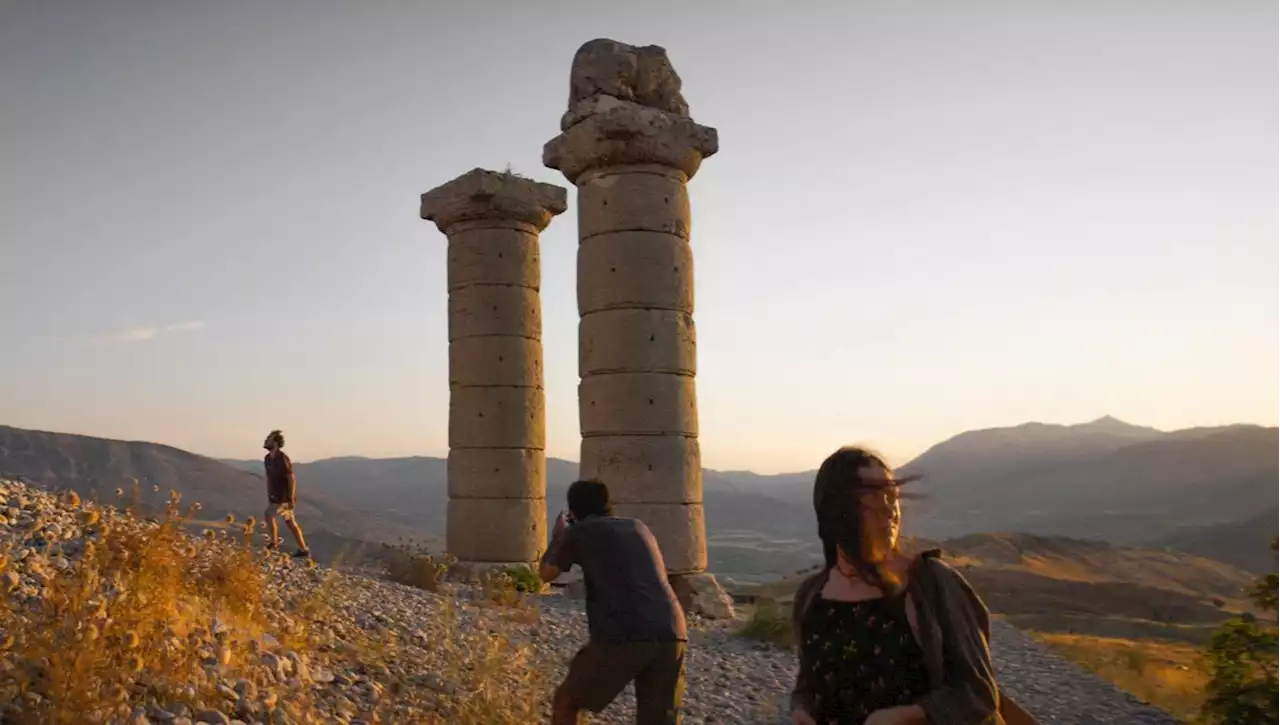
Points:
[[702, 595], [643, 75]]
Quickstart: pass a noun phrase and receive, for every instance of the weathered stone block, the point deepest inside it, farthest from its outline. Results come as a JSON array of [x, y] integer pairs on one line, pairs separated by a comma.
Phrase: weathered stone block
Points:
[[645, 469], [497, 418], [494, 310], [701, 594], [629, 134], [495, 529], [630, 200], [637, 340], [480, 194], [644, 74], [497, 473], [679, 530], [635, 269], [495, 360], [494, 255], [637, 404]]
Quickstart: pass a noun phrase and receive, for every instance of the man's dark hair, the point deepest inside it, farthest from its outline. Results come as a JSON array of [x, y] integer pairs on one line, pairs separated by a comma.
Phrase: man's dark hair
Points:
[[589, 498], [276, 436]]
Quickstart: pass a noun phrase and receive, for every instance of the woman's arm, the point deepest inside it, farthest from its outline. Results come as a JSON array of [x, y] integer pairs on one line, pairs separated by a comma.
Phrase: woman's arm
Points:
[[969, 695]]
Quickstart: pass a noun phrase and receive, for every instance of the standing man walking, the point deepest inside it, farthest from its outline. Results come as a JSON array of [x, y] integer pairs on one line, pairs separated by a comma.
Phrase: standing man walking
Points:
[[282, 494], [637, 628]]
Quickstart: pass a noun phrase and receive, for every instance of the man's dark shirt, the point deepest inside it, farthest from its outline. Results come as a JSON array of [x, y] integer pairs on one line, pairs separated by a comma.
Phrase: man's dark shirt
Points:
[[628, 597], [279, 477]]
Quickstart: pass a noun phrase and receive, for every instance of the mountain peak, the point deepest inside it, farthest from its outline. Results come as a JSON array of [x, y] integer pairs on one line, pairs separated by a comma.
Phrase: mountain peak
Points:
[[1107, 421]]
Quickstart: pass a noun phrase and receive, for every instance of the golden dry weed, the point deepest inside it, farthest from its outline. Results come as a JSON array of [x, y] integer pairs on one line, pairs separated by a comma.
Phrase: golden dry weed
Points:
[[146, 614], [125, 618], [770, 622]]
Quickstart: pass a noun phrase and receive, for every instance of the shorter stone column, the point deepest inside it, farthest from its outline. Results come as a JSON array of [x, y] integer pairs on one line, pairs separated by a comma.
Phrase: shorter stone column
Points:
[[497, 420]]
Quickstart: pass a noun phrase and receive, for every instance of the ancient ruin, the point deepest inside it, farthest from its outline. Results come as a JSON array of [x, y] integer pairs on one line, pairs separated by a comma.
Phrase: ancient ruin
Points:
[[629, 146], [497, 421]]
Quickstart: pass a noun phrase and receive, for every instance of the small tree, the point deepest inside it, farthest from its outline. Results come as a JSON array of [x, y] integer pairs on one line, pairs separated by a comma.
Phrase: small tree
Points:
[[1241, 657]]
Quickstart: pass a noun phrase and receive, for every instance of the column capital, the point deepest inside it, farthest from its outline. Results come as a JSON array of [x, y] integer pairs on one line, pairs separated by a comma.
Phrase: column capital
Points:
[[607, 131], [481, 195]]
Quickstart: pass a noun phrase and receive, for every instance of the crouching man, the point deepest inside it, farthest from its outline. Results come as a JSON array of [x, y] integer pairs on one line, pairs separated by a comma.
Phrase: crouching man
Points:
[[636, 625]]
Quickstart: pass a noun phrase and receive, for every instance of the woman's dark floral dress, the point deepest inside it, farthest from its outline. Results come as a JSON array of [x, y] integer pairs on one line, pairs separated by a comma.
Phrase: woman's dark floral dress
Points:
[[860, 657]]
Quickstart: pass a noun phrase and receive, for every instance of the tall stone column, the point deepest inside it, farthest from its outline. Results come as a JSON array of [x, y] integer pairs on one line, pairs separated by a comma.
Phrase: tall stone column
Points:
[[497, 421], [628, 144]]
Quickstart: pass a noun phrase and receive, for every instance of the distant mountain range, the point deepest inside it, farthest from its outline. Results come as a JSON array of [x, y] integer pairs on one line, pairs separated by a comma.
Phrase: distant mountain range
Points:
[[1208, 491]]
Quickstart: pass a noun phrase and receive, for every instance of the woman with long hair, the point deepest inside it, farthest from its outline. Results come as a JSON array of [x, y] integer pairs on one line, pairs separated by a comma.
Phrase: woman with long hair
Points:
[[885, 638]]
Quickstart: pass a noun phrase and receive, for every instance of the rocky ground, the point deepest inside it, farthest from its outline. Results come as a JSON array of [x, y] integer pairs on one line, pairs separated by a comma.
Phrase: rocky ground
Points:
[[376, 651]]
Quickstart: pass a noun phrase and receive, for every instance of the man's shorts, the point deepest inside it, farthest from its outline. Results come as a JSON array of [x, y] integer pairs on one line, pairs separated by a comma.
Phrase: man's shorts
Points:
[[599, 672], [284, 510]]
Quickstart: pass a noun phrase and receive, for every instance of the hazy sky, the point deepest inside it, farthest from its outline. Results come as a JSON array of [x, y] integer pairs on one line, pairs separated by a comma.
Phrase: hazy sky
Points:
[[925, 217]]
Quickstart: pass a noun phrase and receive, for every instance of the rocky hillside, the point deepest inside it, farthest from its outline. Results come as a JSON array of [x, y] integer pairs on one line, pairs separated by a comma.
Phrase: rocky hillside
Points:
[[96, 467], [116, 620]]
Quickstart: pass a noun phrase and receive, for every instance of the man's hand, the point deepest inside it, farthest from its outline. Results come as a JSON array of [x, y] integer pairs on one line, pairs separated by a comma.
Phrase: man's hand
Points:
[[546, 570], [560, 525], [800, 717], [908, 715]]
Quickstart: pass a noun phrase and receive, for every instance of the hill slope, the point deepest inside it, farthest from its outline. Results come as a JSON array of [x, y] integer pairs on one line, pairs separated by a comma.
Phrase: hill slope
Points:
[[1054, 584], [96, 467], [1241, 543]]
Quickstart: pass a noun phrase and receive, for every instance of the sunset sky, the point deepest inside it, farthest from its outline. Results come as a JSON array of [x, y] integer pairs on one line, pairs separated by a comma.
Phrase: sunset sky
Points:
[[924, 218]]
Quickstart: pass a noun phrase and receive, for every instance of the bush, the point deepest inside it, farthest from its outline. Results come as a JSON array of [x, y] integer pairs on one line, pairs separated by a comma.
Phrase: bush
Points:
[[411, 565], [499, 588], [137, 612], [1242, 662], [115, 616], [524, 579], [770, 622]]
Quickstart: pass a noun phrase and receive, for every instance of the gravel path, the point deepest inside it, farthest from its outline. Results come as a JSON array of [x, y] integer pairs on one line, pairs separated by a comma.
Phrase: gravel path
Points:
[[446, 656], [731, 679]]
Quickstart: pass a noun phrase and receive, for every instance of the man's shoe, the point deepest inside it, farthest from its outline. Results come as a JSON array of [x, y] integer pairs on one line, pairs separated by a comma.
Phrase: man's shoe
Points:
[[302, 554]]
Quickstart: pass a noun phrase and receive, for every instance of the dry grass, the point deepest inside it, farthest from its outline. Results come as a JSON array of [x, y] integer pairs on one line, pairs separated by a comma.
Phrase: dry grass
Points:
[[770, 622], [499, 680], [151, 614], [135, 615], [412, 565], [1166, 674]]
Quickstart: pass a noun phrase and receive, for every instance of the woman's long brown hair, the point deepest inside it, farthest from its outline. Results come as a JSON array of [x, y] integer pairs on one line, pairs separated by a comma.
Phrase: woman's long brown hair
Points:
[[838, 505]]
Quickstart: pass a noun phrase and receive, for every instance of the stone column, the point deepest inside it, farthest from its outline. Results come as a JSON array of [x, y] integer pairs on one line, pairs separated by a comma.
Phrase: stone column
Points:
[[628, 144], [497, 422]]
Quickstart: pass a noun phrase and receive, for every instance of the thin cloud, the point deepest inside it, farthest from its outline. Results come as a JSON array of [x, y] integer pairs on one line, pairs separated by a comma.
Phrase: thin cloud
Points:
[[143, 334], [185, 326]]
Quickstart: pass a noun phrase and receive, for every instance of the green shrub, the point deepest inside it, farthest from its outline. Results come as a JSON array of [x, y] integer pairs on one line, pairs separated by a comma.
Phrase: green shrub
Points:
[[412, 565], [524, 579], [1242, 662]]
